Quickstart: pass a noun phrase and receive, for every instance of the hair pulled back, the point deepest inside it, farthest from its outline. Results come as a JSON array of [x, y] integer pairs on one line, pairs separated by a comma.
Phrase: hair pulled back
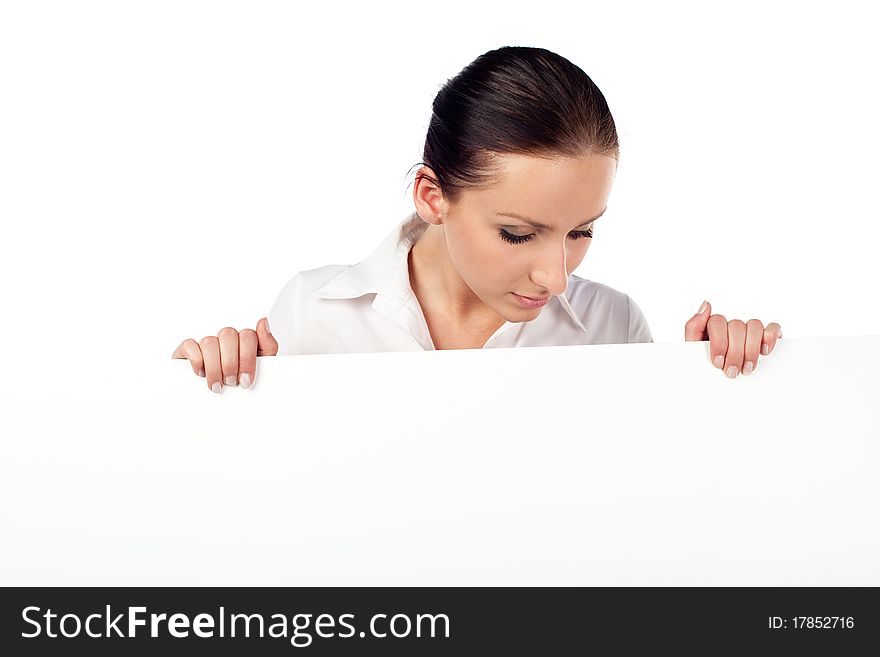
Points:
[[513, 100]]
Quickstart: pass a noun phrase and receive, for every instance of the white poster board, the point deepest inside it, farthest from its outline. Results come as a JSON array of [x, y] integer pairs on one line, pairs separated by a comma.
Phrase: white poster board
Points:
[[599, 465]]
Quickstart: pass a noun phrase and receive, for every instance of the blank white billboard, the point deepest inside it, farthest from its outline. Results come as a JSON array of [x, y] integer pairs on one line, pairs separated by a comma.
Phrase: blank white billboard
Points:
[[635, 464]]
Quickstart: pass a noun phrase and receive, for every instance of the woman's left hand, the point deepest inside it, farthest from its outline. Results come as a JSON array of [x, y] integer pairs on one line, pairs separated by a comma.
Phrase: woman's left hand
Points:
[[734, 346]]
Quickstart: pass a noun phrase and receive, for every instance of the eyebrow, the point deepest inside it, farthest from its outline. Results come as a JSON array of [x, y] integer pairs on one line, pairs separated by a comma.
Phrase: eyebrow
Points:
[[538, 224]]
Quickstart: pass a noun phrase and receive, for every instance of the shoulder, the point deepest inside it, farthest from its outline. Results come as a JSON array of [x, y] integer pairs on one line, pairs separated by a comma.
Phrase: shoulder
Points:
[[311, 280], [583, 292], [606, 309], [295, 307]]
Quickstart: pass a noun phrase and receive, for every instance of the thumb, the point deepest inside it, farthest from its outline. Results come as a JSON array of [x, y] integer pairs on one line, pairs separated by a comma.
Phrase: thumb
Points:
[[266, 344], [695, 329]]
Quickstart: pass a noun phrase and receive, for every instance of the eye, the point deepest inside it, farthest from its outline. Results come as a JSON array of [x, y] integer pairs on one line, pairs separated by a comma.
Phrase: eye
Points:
[[578, 234], [514, 239], [520, 239]]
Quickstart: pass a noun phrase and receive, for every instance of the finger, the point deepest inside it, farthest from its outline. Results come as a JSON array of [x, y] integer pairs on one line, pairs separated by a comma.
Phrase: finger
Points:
[[717, 329], [695, 329], [229, 355], [189, 349], [754, 337], [267, 345], [736, 346], [247, 357], [210, 347], [772, 333]]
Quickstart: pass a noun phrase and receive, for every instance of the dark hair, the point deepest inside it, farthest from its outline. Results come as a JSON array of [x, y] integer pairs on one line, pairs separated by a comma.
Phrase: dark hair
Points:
[[513, 100]]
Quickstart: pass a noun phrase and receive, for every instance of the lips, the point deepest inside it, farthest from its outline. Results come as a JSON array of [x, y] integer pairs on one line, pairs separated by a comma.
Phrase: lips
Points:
[[530, 302]]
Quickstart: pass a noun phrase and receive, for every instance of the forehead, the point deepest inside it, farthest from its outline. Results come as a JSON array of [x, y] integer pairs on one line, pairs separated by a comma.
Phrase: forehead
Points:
[[549, 188]]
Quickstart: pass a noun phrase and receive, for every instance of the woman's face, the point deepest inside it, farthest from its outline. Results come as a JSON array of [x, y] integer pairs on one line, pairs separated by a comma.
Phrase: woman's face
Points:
[[514, 243]]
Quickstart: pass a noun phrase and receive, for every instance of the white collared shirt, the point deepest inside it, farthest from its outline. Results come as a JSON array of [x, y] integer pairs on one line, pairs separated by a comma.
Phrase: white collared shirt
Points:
[[371, 307]]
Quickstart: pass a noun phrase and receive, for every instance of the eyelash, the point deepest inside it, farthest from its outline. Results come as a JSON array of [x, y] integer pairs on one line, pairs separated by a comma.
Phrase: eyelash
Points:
[[520, 239]]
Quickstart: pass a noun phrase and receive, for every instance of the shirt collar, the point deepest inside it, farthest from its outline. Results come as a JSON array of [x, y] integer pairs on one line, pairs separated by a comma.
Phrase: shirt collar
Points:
[[385, 273]]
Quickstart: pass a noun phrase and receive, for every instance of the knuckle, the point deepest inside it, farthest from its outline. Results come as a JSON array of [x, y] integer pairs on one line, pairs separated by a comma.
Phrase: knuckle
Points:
[[737, 323], [209, 341], [756, 323], [226, 331]]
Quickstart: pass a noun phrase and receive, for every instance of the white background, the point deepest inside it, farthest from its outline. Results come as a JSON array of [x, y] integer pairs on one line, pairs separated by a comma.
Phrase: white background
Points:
[[166, 167]]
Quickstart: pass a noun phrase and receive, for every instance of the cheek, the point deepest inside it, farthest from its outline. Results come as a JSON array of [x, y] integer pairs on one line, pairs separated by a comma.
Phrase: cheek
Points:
[[494, 264], [576, 254], [479, 257]]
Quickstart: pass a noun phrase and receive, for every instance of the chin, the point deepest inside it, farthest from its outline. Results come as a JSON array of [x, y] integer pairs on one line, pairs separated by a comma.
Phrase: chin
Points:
[[528, 314], [516, 314]]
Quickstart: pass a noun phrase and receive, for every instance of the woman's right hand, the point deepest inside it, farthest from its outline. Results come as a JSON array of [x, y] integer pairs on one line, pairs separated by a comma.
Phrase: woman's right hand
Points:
[[230, 357]]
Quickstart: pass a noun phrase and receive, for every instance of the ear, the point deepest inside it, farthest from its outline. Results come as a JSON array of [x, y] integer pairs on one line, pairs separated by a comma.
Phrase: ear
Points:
[[428, 197]]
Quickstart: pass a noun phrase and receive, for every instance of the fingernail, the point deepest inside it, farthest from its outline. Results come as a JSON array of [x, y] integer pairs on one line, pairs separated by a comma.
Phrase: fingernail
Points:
[[731, 371], [216, 387], [765, 349], [202, 373], [245, 380], [230, 380], [779, 335], [719, 361], [748, 367], [702, 308]]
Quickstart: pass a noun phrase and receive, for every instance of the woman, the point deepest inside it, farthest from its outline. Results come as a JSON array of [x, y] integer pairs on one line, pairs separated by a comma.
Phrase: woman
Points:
[[519, 160]]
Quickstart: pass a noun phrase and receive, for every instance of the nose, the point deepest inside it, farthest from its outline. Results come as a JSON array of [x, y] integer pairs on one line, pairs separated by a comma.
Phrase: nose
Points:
[[549, 271]]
